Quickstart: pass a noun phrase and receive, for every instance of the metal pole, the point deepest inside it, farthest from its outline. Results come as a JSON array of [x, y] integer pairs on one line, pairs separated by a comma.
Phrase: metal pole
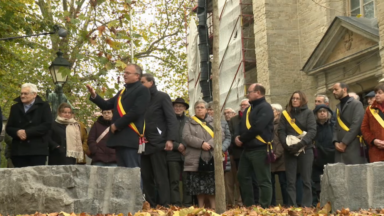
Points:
[[11, 38], [130, 31]]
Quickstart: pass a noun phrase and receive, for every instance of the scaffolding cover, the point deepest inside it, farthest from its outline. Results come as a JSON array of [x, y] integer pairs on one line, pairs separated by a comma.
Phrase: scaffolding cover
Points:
[[231, 56], [231, 77], [193, 59]]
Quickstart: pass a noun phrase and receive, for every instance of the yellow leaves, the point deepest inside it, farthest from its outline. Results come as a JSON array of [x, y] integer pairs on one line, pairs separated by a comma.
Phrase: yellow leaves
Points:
[[326, 209], [359, 15]]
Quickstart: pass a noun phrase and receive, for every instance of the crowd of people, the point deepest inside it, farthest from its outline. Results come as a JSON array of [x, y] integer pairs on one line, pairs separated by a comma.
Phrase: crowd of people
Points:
[[142, 127]]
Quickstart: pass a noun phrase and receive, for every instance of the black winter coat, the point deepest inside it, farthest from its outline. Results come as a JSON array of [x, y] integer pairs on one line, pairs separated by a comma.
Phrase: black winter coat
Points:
[[160, 121], [99, 151], [36, 122], [175, 155], [58, 145], [261, 120], [135, 101], [305, 120], [324, 144], [234, 126]]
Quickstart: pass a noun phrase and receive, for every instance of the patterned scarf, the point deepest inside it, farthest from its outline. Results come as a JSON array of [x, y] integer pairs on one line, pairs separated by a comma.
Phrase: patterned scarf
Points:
[[73, 137]]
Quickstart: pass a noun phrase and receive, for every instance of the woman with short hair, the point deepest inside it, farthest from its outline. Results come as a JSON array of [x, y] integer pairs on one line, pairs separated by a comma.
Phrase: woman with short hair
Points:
[[278, 167], [198, 138], [65, 138]]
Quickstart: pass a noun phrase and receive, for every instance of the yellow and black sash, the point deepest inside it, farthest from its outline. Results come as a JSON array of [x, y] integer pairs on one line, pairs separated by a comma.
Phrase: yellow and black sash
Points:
[[345, 127], [270, 154], [292, 122], [208, 129], [378, 115]]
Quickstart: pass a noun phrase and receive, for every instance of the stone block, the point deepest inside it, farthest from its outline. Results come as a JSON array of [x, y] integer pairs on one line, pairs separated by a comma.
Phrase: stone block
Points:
[[353, 186], [75, 188]]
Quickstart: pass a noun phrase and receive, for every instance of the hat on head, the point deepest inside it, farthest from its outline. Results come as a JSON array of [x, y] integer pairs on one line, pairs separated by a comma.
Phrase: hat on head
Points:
[[180, 101], [370, 94], [322, 106]]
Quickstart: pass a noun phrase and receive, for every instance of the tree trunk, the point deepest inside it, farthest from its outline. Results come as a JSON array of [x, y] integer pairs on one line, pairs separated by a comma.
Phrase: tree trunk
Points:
[[219, 172]]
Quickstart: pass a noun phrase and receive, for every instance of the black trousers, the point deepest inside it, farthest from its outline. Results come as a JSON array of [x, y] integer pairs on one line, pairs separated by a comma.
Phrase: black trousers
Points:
[[154, 174], [254, 184], [58, 156], [29, 160], [175, 172]]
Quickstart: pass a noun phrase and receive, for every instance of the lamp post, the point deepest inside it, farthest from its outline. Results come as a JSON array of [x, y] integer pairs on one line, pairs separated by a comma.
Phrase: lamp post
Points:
[[59, 71], [56, 29]]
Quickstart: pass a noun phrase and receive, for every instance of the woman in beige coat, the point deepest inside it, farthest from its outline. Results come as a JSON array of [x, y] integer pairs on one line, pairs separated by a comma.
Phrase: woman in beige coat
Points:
[[198, 137]]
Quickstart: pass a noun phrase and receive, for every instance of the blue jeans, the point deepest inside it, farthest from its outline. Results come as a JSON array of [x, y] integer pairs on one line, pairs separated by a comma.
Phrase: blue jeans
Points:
[[104, 164], [127, 157]]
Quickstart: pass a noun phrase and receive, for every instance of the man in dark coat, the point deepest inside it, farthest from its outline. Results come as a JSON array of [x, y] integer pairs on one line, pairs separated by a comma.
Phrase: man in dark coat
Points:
[[128, 107], [258, 123], [161, 131], [350, 114], [324, 146], [28, 124], [175, 158]]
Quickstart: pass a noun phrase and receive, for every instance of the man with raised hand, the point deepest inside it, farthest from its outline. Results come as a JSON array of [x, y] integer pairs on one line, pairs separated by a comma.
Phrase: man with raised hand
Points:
[[127, 128]]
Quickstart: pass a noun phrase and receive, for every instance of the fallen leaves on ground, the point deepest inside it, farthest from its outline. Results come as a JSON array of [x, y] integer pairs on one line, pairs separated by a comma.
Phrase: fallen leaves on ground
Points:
[[239, 211]]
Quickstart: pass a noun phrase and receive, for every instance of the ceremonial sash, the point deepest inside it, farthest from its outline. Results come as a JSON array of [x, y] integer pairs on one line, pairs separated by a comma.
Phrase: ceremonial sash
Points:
[[258, 137], [292, 123], [270, 154], [346, 128], [121, 111], [204, 126], [378, 116]]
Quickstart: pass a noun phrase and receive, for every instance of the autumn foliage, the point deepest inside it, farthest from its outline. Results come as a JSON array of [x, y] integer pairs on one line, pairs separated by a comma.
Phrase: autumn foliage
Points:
[[240, 211]]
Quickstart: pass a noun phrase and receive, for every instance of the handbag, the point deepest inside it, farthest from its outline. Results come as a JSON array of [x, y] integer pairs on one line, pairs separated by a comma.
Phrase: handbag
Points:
[[206, 166]]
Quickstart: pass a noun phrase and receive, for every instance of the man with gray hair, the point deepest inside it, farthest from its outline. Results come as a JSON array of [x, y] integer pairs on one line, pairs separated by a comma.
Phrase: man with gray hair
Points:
[[28, 124], [321, 99]]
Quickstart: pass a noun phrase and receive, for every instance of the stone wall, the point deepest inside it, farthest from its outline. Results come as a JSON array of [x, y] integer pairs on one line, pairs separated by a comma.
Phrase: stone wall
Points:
[[353, 186], [80, 188], [286, 33]]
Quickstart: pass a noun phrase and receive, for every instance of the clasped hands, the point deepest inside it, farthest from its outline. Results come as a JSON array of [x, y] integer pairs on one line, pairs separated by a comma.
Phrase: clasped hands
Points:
[[21, 134], [379, 143], [340, 147]]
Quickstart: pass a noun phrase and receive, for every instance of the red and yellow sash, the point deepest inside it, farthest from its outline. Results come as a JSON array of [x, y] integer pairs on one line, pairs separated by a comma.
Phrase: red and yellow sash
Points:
[[121, 111]]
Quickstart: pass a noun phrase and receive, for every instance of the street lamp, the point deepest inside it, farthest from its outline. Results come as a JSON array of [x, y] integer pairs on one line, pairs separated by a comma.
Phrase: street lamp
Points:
[[59, 70], [56, 29]]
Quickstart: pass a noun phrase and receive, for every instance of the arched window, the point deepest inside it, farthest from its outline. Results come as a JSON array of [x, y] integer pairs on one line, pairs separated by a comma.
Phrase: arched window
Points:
[[364, 7]]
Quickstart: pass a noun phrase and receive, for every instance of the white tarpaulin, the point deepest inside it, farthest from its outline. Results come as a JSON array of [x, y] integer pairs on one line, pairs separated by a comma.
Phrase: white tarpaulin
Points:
[[230, 51], [193, 58]]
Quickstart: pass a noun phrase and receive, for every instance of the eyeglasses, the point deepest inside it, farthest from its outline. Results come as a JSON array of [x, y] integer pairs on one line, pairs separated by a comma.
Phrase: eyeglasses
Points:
[[25, 93], [295, 98], [199, 107], [249, 92]]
